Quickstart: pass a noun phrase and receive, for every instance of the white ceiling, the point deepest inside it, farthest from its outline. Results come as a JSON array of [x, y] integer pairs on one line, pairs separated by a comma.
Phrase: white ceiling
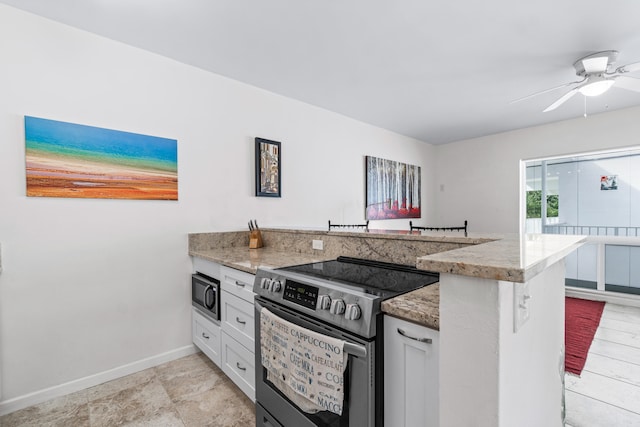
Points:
[[438, 71]]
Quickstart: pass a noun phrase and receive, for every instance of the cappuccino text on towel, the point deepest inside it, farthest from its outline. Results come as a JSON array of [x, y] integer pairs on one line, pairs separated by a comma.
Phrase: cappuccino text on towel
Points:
[[306, 366]]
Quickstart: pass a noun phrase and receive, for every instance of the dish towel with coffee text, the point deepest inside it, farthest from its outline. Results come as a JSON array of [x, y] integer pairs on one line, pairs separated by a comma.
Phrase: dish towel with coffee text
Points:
[[306, 366]]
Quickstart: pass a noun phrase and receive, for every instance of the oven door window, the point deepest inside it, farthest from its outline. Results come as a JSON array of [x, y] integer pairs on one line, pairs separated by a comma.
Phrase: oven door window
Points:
[[357, 374], [323, 418]]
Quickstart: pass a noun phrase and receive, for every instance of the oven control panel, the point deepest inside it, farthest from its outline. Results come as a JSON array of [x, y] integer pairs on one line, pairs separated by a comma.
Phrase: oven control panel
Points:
[[301, 294], [326, 301]]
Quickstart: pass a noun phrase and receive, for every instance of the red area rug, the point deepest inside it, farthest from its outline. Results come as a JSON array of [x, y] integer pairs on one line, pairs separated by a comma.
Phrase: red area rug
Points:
[[581, 319]]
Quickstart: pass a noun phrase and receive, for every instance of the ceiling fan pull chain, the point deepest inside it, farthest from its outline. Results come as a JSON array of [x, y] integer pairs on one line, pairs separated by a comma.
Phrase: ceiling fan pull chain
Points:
[[585, 107]]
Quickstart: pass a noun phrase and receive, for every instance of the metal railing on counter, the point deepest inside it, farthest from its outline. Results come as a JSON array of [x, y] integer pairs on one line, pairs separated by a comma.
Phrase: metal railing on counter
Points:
[[458, 228], [363, 226]]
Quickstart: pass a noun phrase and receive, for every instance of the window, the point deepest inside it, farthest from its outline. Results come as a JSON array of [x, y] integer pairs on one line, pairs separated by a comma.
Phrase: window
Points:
[[594, 194], [534, 204]]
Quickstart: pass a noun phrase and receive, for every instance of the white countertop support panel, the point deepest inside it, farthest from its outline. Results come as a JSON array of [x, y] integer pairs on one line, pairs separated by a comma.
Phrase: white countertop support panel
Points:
[[490, 375]]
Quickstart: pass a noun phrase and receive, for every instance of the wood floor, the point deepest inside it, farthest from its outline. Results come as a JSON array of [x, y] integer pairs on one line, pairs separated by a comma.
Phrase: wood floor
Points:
[[607, 393]]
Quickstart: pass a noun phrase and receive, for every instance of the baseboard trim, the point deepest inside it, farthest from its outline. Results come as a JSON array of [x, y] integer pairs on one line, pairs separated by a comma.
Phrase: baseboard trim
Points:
[[631, 300], [20, 402]]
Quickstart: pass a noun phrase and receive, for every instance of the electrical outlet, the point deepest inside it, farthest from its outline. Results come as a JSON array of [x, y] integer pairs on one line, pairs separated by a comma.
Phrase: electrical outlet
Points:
[[317, 244]]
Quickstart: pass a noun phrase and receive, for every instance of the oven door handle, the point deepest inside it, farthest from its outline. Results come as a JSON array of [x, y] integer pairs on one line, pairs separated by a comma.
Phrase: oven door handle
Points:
[[349, 347], [355, 349]]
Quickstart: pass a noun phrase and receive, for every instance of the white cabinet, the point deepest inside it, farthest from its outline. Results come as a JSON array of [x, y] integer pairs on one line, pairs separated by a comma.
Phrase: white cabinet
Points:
[[205, 333], [411, 374], [206, 336], [238, 334], [238, 362], [230, 345]]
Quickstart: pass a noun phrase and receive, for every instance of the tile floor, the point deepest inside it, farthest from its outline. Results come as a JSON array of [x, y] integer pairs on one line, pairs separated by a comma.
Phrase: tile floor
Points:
[[607, 393], [190, 391]]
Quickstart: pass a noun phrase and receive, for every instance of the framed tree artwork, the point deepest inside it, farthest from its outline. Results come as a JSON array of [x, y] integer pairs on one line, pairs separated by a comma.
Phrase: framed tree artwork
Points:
[[268, 168], [393, 189]]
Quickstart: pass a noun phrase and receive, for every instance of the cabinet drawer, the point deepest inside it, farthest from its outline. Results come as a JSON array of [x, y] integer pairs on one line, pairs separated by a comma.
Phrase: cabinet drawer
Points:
[[237, 319], [206, 336], [237, 283], [239, 365]]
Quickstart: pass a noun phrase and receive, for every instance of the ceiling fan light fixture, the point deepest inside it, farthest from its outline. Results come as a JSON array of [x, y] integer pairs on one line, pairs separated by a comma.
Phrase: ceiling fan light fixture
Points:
[[597, 78], [597, 87]]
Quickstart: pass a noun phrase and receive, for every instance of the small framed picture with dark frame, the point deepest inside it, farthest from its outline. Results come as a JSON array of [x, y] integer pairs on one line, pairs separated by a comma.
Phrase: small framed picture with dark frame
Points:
[[268, 169]]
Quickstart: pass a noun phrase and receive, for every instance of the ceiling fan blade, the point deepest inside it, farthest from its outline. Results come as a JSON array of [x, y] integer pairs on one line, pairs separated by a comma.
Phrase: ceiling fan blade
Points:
[[629, 68], [547, 90], [628, 83], [595, 65], [564, 98]]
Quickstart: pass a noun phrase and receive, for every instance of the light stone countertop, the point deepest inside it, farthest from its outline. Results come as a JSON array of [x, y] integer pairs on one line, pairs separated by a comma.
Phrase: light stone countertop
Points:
[[511, 259], [421, 306], [500, 258], [248, 260]]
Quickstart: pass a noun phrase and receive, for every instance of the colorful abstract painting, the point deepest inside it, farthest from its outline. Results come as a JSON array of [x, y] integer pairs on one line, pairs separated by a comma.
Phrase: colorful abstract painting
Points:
[[71, 160], [393, 189]]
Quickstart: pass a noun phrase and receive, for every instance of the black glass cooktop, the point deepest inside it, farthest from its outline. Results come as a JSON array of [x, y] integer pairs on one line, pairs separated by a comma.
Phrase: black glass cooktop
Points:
[[378, 278]]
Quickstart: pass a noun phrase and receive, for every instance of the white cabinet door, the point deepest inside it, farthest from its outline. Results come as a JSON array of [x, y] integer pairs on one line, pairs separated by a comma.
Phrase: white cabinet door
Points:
[[411, 374], [239, 365], [206, 336]]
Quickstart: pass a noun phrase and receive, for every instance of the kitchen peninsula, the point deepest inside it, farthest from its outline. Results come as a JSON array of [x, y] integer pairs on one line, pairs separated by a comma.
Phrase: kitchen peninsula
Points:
[[500, 310]]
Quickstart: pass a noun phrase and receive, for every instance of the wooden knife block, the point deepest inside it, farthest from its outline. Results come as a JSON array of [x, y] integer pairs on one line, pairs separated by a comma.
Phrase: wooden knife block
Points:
[[255, 239]]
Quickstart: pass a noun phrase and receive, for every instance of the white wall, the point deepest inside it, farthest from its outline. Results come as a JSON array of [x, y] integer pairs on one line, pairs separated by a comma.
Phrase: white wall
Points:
[[481, 176], [497, 377], [534, 355], [92, 285]]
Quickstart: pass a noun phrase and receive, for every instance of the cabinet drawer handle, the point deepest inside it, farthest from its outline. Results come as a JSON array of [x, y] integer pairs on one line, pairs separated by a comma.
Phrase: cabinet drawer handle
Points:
[[239, 283], [425, 340], [242, 322], [205, 336], [242, 368]]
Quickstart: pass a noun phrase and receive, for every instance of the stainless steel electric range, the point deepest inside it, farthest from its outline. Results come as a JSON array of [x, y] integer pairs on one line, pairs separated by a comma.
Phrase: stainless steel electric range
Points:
[[340, 299]]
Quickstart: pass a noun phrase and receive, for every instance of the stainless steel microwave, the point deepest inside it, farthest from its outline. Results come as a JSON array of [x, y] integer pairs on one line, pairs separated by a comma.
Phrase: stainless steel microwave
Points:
[[205, 295]]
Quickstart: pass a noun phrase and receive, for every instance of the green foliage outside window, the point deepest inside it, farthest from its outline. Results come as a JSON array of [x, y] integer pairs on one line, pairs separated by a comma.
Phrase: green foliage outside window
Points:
[[534, 204]]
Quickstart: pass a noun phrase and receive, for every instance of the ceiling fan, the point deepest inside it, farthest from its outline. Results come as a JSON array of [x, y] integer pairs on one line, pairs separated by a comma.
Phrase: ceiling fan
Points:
[[598, 76]]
